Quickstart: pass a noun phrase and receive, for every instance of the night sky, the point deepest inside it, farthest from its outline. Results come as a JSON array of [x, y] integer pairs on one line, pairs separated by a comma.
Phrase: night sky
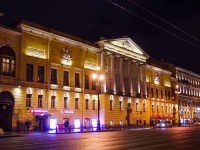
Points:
[[93, 19]]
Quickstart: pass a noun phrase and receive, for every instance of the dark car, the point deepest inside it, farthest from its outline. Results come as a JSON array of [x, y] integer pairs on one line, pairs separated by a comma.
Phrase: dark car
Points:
[[164, 124]]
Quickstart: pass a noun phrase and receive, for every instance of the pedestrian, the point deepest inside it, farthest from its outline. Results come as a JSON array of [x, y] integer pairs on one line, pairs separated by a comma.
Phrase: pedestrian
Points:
[[66, 124]]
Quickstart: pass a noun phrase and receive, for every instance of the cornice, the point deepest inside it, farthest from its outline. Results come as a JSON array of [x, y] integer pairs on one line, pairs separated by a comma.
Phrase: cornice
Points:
[[186, 72], [2, 29], [158, 69], [56, 37]]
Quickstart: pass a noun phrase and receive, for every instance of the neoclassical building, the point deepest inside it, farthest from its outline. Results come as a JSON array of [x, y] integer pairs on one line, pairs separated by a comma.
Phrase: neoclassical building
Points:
[[188, 92], [46, 76]]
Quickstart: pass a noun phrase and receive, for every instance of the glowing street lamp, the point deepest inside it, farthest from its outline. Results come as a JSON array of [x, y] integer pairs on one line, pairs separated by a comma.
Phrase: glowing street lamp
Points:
[[98, 77]]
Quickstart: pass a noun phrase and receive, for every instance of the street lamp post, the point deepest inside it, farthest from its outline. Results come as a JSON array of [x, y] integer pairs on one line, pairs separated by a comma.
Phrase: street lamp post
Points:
[[177, 92], [98, 77]]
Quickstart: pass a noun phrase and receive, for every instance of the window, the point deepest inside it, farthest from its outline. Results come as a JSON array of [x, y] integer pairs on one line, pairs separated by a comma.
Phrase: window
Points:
[[87, 104], [161, 92], [28, 100], [162, 109], [76, 103], [53, 99], [66, 78], [137, 108], [157, 108], [77, 80], [93, 84], [152, 108], [166, 110], [156, 93], [93, 104], [29, 72], [120, 106], [168, 95], [7, 61], [144, 107], [53, 76], [40, 100], [40, 74], [147, 91], [87, 82], [111, 104], [65, 102], [152, 95]]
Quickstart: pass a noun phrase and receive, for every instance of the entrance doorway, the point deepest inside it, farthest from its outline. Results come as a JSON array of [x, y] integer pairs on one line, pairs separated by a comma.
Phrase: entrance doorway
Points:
[[6, 110]]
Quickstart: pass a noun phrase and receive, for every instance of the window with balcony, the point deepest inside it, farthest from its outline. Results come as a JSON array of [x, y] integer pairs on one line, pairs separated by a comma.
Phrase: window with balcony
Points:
[[53, 76], [40, 100], [53, 101], [40, 74], [28, 100], [65, 78], [77, 80]]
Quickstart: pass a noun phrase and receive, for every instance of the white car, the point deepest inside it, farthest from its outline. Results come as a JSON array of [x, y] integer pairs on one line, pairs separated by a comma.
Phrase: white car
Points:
[[1, 131], [164, 124]]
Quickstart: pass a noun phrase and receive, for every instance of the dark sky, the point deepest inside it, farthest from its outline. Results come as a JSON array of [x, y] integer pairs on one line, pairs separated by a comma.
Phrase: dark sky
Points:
[[92, 19]]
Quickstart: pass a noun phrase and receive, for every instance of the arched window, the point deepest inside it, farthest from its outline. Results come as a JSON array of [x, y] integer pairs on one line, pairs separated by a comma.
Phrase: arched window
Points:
[[7, 61]]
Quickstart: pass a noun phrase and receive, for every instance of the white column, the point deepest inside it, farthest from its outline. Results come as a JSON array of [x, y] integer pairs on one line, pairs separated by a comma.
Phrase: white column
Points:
[[112, 74], [130, 72], [121, 74]]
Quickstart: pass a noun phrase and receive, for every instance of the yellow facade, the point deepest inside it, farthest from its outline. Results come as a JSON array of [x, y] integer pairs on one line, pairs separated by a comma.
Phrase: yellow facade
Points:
[[124, 100]]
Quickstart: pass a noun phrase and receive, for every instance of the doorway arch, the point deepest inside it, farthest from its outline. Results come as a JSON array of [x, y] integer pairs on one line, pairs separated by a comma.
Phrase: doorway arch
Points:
[[6, 110]]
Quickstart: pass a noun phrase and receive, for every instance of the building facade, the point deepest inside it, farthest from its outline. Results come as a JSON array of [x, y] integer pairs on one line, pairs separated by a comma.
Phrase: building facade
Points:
[[188, 92], [46, 76]]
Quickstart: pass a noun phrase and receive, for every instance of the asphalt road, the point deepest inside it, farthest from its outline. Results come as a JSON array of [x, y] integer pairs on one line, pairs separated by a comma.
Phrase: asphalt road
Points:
[[177, 138]]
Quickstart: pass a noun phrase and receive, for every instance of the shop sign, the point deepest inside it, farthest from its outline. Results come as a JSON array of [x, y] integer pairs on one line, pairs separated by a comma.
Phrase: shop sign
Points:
[[35, 52], [66, 112], [38, 111]]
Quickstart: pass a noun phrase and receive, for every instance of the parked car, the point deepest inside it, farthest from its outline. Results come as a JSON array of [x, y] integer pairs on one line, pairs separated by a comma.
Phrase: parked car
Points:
[[165, 124], [1, 131]]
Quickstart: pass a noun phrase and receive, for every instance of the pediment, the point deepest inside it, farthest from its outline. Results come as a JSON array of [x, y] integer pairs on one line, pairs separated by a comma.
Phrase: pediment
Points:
[[124, 46]]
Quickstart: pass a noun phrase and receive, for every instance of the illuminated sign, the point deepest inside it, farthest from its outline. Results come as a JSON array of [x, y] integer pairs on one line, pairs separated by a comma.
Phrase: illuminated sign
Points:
[[90, 65], [35, 52], [66, 112], [167, 84], [38, 111], [66, 88], [66, 62]]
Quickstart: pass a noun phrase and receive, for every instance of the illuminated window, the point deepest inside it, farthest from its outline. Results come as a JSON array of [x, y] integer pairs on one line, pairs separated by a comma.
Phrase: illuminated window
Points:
[[65, 102], [77, 123], [66, 78], [29, 72], [76, 103], [87, 104], [28, 100], [7, 61], [53, 123], [40, 74], [40, 100], [86, 81], [53, 76], [94, 123], [121, 122], [111, 123], [53, 99], [77, 80]]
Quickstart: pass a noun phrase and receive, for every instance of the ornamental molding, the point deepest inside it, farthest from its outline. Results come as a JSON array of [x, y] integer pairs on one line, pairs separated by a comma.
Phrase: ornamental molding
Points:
[[158, 69], [66, 56]]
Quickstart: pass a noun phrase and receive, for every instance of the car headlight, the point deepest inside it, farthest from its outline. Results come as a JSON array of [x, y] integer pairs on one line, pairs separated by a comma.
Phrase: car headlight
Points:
[[162, 124]]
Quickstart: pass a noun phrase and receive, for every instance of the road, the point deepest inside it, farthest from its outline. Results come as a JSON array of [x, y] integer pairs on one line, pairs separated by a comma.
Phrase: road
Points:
[[177, 138]]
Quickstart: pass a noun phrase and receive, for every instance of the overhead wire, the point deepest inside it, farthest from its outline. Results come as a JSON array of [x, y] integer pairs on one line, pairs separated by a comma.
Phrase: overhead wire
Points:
[[164, 20], [123, 8]]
